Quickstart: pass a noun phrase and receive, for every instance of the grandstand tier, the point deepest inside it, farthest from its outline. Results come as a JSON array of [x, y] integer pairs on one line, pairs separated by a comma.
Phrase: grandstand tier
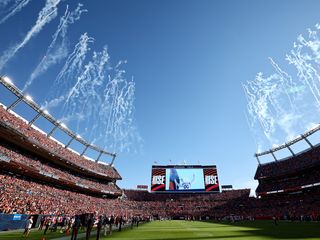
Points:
[[19, 133], [20, 162], [19, 194], [292, 174]]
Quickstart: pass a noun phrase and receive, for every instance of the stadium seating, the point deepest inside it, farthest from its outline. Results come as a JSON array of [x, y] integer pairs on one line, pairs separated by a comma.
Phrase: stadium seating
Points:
[[302, 161], [11, 122], [25, 161], [38, 175], [291, 174]]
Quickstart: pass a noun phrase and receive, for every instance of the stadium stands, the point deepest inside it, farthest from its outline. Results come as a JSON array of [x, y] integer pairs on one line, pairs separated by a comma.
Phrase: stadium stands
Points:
[[302, 161], [39, 175], [19, 195], [33, 167], [291, 174], [15, 130]]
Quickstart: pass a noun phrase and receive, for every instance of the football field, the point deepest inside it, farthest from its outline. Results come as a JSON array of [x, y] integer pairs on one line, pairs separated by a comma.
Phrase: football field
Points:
[[185, 230]]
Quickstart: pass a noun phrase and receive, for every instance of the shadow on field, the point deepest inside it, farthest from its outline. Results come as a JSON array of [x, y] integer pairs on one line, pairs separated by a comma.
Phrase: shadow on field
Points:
[[284, 229], [183, 230]]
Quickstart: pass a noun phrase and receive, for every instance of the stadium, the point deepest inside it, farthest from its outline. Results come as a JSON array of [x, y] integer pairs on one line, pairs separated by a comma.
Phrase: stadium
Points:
[[42, 178], [59, 182]]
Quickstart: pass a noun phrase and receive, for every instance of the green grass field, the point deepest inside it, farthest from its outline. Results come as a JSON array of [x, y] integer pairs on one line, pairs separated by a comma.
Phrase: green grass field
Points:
[[185, 230]]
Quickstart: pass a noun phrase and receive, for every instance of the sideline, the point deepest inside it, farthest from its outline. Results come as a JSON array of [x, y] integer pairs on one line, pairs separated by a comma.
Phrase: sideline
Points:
[[93, 233], [80, 236]]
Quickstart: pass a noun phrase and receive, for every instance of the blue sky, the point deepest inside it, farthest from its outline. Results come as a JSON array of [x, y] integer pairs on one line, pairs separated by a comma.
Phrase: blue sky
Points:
[[188, 60]]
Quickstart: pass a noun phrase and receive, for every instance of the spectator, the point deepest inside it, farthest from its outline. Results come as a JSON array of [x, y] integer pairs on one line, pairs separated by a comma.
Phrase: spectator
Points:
[[28, 227], [75, 228]]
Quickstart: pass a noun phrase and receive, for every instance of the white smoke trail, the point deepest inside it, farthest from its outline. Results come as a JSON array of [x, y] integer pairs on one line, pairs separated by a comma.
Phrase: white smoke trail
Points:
[[57, 49], [4, 3], [118, 105], [48, 13], [98, 99], [86, 89], [304, 63], [14, 9], [284, 106], [70, 71]]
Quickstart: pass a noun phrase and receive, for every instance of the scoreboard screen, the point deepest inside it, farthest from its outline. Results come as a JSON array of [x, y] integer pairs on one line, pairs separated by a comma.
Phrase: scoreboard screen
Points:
[[184, 178]]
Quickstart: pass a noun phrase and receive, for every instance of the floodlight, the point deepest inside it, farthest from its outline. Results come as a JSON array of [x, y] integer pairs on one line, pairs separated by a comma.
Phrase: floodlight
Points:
[[63, 125], [315, 126], [29, 98], [46, 112], [7, 80]]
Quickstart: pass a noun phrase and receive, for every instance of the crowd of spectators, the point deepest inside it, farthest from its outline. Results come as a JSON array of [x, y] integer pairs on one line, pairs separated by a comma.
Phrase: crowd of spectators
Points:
[[41, 140], [21, 196], [291, 182], [23, 159], [297, 206], [301, 162], [142, 195]]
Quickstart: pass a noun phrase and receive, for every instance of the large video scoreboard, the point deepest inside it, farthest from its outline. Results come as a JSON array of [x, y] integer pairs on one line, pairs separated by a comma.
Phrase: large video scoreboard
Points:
[[184, 178]]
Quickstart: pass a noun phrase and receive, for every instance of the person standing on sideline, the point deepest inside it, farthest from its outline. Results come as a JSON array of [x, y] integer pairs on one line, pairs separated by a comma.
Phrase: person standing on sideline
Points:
[[99, 226], [132, 222], [90, 223], [42, 220], [111, 222], [120, 223], [28, 227], [75, 228], [47, 223], [275, 220], [105, 224]]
